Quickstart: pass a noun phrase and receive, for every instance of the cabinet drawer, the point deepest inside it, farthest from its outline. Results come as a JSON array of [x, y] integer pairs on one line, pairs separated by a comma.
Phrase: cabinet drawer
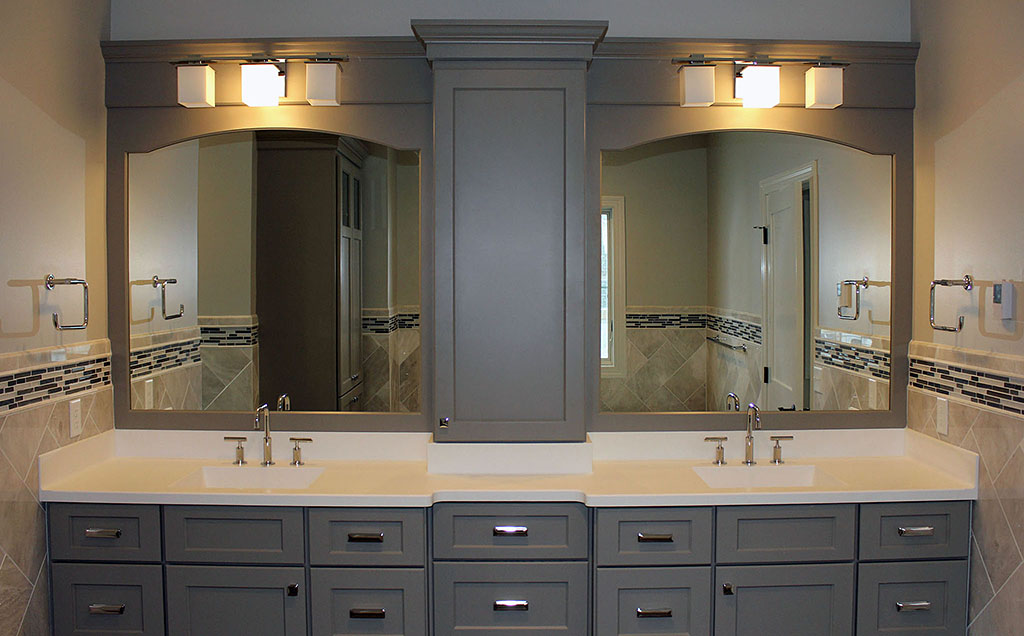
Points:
[[784, 599], [786, 534], [347, 601], [104, 532], [653, 601], [510, 531], [925, 530], [108, 599], [653, 536], [921, 597], [212, 534], [510, 598], [367, 536]]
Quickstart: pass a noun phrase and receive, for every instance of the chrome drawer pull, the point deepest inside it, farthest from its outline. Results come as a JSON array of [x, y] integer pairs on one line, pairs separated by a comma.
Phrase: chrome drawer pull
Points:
[[647, 537], [913, 606], [511, 606], [103, 533], [511, 531], [653, 613], [106, 610], [366, 612], [916, 531], [366, 537]]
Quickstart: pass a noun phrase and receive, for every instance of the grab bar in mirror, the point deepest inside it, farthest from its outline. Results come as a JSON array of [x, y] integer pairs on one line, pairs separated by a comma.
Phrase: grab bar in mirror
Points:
[[966, 282], [717, 340], [857, 286], [52, 282], [162, 284]]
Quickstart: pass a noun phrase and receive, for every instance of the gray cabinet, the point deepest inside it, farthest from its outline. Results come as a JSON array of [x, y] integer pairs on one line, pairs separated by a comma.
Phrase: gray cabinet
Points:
[[367, 536], [919, 530], [234, 534], [653, 536], [348, 601], [922, 597], [796, 600], [653, 600], [107, 599], [465, 531], [104, 532], [255, 601], [786, 534]]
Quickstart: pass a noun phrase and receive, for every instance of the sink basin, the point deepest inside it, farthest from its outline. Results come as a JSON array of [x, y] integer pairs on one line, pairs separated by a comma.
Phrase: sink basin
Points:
[[765, 476], [253, 477]]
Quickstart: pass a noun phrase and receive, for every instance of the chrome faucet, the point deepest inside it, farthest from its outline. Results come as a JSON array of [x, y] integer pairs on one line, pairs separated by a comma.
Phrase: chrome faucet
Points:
[[284, 402], [732, 402], [263, 412], [753, 421]]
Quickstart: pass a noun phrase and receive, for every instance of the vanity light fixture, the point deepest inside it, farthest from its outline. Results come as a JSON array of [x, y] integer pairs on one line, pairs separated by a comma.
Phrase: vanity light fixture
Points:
[[322, 80], [757, 85], [697, 84], [262, 83], [196, 85], [823, 87]]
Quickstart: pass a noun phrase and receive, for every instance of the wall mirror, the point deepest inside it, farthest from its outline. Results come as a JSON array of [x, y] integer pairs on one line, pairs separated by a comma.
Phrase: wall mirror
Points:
[[264, 263], [749, 263]]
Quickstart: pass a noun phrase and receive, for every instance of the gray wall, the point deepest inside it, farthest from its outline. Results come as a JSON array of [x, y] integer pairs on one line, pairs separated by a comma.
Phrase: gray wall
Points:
[[407, 230]]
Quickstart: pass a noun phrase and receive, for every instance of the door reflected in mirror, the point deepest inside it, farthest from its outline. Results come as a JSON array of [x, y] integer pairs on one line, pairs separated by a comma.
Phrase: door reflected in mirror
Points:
[[747, 263], [274, 262]]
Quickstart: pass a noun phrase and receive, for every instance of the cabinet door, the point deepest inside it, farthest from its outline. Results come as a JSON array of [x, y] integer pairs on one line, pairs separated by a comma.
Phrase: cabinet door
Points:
[[207, 600], [509, 253], [107, 599], [351, 601], [668, 601], [795, 600]]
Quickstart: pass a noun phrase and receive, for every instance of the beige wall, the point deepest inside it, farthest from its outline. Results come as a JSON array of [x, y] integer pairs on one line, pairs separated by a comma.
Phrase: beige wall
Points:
[[664, 189], [52, 158], [226, 226]]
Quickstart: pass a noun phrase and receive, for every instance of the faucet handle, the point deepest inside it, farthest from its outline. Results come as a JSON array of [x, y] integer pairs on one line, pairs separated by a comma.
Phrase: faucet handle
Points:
[[719, 450], [239, 449], [777, 449], [297, 451]]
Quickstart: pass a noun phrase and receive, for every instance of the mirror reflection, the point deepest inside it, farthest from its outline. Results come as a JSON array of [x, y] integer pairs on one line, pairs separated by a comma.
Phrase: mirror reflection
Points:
[[274, 263], [753, 264]]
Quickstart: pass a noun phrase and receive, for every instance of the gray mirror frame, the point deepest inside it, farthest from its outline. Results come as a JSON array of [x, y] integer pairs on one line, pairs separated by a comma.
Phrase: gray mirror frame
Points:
[[143, 116], [877, 131]]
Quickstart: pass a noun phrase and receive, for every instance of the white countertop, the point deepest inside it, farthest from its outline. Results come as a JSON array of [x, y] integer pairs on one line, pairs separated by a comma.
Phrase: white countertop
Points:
[[613, 469]]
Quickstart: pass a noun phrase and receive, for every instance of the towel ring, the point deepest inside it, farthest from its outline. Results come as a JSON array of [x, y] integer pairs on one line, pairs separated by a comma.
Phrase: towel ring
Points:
[[966, 282], [52, 282], [162, 284], [857, 285]]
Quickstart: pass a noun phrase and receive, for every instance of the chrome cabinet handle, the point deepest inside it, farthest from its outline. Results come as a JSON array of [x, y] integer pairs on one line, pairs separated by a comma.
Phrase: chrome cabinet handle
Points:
[[367, 612], [103, 609], [916, 531], [354, 377], [103, 533], [366, 537], [511, 606], [913, 606], [511, 531], [653, 613], [647, 537]]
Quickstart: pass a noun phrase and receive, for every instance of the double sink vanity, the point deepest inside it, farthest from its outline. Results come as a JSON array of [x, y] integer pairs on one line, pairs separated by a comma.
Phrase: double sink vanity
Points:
[[859, 531]]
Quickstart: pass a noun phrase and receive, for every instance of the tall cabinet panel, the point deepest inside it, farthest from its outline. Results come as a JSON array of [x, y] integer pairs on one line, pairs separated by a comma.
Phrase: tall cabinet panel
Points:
[[509, 105]]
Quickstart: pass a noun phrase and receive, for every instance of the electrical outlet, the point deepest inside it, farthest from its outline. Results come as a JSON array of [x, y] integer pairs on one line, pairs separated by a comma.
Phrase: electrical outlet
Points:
[[75, 418], [942, 416], [147, 394], [872, 393]]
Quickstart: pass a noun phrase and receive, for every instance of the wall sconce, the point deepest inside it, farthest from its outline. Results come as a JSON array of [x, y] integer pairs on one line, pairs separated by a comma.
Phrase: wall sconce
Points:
[[196, 86], [697, 85], [823, 87], [757, 85], [262, 83], [322, 79]]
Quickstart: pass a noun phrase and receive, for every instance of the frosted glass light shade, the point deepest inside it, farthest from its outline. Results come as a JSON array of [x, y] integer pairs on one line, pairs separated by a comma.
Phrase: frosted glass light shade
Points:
[[823, 87], [758, 86], [322, 83], [196, 86], [697, 85], [262, 84]]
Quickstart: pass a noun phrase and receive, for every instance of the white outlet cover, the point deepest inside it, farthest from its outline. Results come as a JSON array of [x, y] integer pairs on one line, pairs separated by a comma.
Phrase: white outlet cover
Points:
[[75, 418], [147, 394], [942, 416]]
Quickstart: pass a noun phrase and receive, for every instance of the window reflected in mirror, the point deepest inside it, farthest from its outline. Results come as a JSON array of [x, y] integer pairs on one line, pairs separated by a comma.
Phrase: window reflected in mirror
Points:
[[274, 262], [751, 263]]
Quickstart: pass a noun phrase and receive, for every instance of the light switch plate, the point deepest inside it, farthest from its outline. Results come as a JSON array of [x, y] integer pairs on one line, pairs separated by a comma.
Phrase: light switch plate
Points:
[[75, 418], [942, 416]]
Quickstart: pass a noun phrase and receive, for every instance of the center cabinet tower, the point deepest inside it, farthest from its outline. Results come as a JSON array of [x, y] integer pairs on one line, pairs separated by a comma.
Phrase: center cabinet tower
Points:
[[509, 110]]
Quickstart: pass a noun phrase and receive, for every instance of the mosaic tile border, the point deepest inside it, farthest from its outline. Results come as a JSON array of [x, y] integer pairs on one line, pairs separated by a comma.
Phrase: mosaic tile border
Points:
[[164, 357], [995, 390], [851, 358], [666, 321], [24, 388], [746, 331], [387, 324], [229, 336]]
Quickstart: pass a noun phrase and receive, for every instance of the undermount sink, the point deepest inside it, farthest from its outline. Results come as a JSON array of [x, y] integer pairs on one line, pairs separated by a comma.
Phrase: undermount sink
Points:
[[765, 476], [253, 477]]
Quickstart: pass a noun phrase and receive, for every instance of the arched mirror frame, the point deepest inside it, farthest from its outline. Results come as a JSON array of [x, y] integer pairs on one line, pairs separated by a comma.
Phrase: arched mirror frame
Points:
[[143, 116], [880, 131]]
